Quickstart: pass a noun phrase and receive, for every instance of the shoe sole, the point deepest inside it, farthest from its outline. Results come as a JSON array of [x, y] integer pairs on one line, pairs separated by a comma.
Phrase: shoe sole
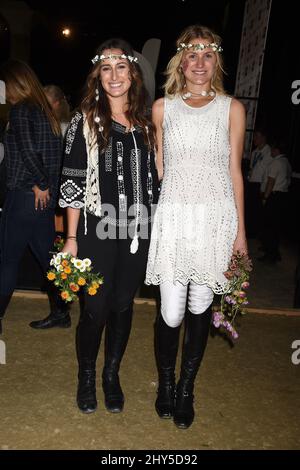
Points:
[[119, 410], [88, 411], [49, 327]]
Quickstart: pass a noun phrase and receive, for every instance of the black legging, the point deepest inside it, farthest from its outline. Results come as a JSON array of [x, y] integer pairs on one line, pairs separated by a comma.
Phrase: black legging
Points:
[[122, 271]]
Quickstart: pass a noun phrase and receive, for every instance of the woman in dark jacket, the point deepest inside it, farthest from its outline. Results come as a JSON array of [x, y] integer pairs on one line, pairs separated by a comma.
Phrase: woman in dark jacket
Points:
[[33, 150]]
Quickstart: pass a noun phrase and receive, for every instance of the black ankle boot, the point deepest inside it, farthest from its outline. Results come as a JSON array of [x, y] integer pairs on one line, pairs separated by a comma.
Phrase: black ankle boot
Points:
[[59, 312], [166, 348], [88, 338], [116, 338], [195, 340], [4, 301], [86, 392], [184, 410], [53, 320], [113, 394]]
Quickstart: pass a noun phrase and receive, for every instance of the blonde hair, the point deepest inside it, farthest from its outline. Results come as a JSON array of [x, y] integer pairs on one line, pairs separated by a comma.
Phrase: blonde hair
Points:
[[175, 79], [22, 83]]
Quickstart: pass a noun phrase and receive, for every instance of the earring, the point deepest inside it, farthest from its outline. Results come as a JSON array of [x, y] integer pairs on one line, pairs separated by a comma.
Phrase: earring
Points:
[[97, 94]]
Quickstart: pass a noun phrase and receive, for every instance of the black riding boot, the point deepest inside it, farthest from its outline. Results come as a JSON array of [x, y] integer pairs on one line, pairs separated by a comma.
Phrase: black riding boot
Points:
[[195, 340], [4, 301], [88, 338], [59, 312], [166, 348], [116, 338]]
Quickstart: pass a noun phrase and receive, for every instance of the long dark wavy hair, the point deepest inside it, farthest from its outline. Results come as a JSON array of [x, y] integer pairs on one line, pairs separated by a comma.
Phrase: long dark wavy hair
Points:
[[137, 113]]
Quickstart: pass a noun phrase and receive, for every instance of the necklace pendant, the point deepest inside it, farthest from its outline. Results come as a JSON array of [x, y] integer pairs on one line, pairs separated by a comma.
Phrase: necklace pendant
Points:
[[187, 95]]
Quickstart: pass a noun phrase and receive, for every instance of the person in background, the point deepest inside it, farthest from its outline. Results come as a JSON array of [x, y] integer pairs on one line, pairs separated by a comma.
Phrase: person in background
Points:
[[59, 105], [274, 191], [259, 161], [61, 109], [33, 152], [199, 221]]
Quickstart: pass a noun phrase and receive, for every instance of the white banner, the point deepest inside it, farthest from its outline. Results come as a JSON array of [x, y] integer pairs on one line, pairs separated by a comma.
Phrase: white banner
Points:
[[251, 58]]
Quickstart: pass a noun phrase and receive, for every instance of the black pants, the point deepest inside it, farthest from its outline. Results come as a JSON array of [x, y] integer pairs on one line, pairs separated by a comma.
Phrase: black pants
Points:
[[273, 219], [122, 271], [22, 225]]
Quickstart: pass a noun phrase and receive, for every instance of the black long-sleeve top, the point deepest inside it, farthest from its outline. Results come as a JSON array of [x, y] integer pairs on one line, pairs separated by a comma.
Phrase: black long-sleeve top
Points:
[[33, 154], [122, 181]]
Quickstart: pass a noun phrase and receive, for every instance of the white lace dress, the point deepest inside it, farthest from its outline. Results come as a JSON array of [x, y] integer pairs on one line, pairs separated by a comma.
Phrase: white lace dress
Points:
[[195, 223]]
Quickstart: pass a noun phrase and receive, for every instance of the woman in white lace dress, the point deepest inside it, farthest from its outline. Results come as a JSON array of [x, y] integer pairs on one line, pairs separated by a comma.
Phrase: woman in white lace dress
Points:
[[199, 221]]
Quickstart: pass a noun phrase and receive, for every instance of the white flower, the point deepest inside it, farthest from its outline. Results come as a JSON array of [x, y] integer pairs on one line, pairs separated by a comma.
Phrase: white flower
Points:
[[78, 264], [95, 59], [57, 259], [87, 262]]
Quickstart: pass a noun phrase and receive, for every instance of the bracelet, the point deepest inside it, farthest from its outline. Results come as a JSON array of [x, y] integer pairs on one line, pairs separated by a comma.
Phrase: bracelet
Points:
[[72, 238]]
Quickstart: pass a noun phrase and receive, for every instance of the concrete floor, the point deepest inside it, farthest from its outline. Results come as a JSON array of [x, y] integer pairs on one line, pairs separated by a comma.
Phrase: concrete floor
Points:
[[247, 397]]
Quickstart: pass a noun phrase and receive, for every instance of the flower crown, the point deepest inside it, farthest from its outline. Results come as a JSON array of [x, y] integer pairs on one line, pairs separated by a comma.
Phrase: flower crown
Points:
[[200, 47], [98, 58]]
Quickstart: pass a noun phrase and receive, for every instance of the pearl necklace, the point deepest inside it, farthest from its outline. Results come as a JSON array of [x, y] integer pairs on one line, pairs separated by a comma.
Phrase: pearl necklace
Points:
[[189, 94]]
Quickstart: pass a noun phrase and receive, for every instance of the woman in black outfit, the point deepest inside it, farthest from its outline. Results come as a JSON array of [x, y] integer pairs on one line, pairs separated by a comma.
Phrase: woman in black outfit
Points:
[[33, 151], [109, 185]]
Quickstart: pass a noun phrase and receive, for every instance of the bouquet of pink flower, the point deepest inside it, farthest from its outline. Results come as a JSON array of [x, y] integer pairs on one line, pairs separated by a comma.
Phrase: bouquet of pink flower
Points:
[[235, 299]]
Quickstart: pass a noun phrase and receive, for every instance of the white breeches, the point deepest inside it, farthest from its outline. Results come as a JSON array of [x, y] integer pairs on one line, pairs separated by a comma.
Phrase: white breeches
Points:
[[173, 300]]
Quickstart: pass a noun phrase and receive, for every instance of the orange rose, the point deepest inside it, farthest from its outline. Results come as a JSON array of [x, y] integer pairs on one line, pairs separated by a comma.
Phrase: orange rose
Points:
[[74, 287], [92, 291], [65, 295], [81, 281], [65, 263], [67, 270], [63, 276], [51, 276]]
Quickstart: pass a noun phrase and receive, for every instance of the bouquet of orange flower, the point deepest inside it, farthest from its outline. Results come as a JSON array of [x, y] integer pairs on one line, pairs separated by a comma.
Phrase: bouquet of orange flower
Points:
[[235, 299], [69, 274]]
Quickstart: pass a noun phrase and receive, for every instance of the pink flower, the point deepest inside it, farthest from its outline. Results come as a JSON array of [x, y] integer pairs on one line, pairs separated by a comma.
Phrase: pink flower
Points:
[[233, 301]]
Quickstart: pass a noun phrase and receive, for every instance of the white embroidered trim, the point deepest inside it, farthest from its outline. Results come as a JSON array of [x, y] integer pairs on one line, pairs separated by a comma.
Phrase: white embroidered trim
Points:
[[74, 204], [92, 195], [108, 156], [194, 276], [71, 132], [120, 178], [73, 172]]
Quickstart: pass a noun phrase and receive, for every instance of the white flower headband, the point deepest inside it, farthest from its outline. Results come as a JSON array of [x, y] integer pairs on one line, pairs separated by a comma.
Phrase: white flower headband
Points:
[[200, 47], [98, 58]]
